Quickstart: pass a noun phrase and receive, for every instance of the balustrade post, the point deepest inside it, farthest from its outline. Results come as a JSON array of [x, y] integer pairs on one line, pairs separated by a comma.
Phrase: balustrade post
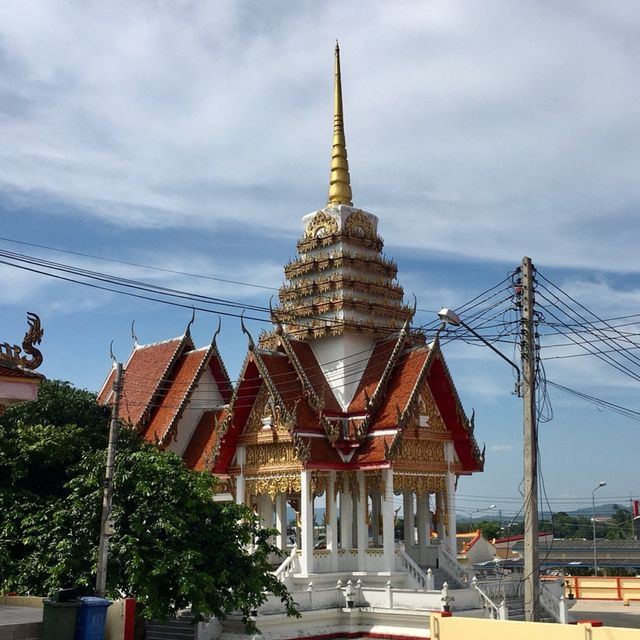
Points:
[[503, 611], [431, 584], [563, 613]]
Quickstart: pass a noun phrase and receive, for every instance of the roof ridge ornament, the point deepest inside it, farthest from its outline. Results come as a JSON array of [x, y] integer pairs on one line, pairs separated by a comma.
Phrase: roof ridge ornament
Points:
[[339, 180], [12, 354], [134, 337]]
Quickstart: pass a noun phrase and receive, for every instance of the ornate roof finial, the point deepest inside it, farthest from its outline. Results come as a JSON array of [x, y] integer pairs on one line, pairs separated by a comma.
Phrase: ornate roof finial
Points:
[[339, 181]]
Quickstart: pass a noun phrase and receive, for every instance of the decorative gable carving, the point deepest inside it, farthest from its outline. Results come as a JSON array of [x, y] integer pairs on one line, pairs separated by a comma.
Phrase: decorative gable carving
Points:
[[358, 224], [265, 416], [322, 224], [419, 452], [428, 416]]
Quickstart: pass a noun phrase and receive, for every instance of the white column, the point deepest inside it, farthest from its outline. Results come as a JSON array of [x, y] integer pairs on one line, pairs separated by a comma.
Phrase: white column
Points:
[[388, 534], [241, 455], [429, 519], [421, 512], [332, 521], [265, 510], [451, 499], [376, 500], [409, 522], [346, 515], [440, 513], [281, 521], [306, 515], [363, 529]]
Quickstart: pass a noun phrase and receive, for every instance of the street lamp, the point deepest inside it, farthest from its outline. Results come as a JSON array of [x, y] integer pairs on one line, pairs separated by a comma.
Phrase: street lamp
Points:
[[593, 520], [525, 389], [451, 317], [471, 513]]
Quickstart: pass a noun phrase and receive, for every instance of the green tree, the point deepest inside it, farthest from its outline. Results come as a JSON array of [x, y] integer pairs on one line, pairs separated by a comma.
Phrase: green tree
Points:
[[173, 545], [490, 529]]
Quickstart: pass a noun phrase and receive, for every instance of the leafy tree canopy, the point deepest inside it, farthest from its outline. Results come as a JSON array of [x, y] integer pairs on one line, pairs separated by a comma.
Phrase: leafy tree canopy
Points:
[[173, 545]]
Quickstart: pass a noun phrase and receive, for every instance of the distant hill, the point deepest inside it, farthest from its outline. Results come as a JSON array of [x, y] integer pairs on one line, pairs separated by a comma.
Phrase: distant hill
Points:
[[606, 510]]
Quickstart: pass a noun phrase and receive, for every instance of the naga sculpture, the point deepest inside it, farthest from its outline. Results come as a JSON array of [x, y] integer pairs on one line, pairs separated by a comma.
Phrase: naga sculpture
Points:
[[12, 353]]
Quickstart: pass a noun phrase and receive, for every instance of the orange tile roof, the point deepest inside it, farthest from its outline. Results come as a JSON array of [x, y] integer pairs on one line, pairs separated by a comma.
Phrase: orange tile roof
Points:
[[203, 440], [144, 376], [183, 378], [372, 374], [399, 392], [314, 373], [9, 371], [401, 383], [289, 388]]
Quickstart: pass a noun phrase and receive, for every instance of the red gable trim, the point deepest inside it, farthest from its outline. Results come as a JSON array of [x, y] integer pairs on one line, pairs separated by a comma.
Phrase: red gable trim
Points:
[[240, 409], [448, 403]]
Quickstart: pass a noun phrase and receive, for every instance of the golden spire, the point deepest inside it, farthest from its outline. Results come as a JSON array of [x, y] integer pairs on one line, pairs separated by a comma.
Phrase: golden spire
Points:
[[339, 181]]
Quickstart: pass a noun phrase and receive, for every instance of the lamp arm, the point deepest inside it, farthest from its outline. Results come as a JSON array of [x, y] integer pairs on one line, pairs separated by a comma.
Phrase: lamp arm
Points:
[[496, 351]]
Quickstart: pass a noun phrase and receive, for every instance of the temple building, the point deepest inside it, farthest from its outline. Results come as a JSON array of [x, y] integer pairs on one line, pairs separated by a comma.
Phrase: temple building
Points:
[[342, 405], [173, 395]]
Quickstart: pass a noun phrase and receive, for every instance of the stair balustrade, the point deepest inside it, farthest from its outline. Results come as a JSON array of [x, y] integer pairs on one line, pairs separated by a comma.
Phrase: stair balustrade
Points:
[[495, 612], [554, 604], [290, 566], [456, 571], [424, 580]]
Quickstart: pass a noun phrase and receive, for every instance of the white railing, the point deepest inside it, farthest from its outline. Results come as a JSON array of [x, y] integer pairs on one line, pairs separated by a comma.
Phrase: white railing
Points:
[[554, 603], [450, 565], [501, 588], [424, 580], [495, 612], [289, 566]]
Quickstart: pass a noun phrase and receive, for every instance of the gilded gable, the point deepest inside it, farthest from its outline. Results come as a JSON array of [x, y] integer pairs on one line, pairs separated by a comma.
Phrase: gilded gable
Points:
[[427, 415], [265, 417]]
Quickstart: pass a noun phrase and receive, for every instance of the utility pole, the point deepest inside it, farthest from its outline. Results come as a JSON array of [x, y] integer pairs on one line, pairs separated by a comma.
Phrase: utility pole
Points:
[[106, 525], [528, 354]]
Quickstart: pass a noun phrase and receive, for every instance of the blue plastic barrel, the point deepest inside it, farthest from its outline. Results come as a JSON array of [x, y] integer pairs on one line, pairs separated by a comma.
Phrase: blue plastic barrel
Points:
[[92, 618]]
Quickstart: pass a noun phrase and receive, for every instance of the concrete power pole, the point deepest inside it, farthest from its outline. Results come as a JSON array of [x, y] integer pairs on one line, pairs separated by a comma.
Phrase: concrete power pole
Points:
[[106, 525], [528, 353]]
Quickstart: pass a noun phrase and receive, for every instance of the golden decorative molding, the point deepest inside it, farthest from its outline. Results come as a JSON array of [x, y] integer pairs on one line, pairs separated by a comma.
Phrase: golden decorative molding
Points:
[[273, 484], [266, 417], [341, 259], [428, 409], [12, 353], [319, 482], [359, 224], [419, 452], [417, 483], [304, 244], [373, 482], [305, 287], [264, 457], [321, 225]]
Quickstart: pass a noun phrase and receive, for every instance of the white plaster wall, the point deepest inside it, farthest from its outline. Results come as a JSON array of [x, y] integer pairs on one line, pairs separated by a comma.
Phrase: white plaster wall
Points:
[[205, 396], [343, 360], [12, 392]]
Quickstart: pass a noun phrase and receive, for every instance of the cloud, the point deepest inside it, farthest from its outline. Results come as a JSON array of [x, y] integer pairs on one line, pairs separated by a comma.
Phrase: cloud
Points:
[[510, 123], [497, 448]]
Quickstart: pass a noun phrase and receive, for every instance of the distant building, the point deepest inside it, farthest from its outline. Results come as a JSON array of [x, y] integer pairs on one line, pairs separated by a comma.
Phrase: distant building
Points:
[[576, 553], [474, 548]]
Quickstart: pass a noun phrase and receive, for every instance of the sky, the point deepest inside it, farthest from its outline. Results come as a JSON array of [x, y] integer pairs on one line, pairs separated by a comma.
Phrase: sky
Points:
[[191, 137]]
